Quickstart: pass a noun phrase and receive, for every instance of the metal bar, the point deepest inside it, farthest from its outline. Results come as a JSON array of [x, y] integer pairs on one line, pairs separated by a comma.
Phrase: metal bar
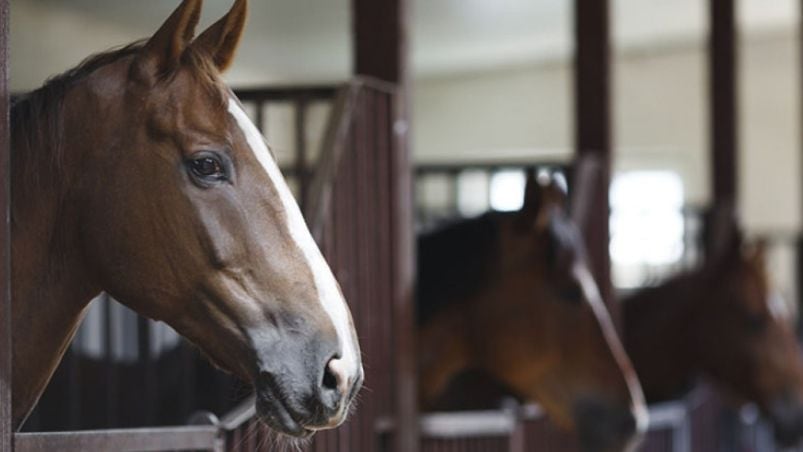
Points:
[[146, 439], [302, 166], [467, 424], [146, 359], [289, 93], [593, 128], [518, 437], [111, 367], [6, 416], [724, 105]]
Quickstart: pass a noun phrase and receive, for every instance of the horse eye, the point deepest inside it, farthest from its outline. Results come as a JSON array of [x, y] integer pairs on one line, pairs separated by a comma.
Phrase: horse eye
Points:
[[208, 168]]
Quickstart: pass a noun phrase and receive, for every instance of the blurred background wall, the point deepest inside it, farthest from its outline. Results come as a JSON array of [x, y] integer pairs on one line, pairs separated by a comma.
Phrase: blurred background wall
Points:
[[492, 81]]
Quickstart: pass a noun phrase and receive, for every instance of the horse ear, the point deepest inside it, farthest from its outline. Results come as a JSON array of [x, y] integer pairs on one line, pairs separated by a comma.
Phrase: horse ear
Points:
[[220, 41], [163, 50], [531, 193], [543, 192]]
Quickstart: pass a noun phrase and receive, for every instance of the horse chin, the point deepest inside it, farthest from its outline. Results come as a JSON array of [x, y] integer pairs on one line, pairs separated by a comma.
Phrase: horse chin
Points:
[[786, 415], [603, 427], [275, 414]]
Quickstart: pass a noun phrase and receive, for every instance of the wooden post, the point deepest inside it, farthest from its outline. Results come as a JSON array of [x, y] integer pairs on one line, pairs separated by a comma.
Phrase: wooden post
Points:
[[592, 104], [6, 433], [381, 51], [799, 247], [723, 117], [722, 79]]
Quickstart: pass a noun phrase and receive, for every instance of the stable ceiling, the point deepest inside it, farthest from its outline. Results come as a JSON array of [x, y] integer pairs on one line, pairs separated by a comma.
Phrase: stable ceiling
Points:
[[306, 40]]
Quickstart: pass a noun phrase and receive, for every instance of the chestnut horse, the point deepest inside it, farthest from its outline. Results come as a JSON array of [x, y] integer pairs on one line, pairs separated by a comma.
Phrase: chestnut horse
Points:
[[139, 174], [723, 321], [511, 295]]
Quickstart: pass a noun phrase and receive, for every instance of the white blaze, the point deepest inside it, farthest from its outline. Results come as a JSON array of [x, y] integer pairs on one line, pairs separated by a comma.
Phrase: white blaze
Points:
[[591, 292], [330, 296]]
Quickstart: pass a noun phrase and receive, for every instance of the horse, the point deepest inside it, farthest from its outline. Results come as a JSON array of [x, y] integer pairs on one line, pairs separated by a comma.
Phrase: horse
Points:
[[510, 295], [138, 173], [722, 321]]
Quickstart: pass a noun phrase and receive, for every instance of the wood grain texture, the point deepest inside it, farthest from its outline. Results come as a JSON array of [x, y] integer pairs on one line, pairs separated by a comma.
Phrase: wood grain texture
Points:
[[6, 434], [592, 104]]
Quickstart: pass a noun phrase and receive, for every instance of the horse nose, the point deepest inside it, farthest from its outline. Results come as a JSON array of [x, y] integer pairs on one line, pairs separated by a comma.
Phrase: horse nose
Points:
[[786, 415], [607, 427], [306, 386], [338, 387]]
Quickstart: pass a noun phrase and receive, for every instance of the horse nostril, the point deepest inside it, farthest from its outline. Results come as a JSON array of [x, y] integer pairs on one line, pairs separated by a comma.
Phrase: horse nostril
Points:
[[334, 377], [329, 379]]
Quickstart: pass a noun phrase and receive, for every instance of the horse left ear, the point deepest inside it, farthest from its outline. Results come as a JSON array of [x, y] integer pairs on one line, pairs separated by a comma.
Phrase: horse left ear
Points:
[[543, 192], [163, 50], [220, 40]]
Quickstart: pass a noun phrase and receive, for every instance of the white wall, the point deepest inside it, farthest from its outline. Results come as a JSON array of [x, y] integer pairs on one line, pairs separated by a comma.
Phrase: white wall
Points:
[[660, 119], [493, 113]]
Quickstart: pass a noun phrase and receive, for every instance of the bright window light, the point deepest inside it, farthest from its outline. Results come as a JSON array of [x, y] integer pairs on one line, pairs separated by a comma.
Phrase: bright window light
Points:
[[507, 188], [472, 193], [647, 224]]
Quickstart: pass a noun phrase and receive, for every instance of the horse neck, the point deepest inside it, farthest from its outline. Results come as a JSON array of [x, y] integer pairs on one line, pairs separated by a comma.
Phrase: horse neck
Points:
[[660, 335], [51, 285], [443, 351]]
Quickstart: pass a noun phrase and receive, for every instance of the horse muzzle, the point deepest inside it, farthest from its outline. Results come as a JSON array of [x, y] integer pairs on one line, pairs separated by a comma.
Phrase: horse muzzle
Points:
[[786, 415], [301, 392], [606, 427]]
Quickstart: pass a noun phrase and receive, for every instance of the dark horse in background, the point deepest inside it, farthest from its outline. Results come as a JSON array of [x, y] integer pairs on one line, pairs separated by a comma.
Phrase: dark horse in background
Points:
[[138, 173], [722, 321], [510, 295]]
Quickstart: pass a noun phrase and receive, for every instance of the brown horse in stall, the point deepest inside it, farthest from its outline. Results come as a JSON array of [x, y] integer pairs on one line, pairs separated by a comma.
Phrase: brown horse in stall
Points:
[[510, 295], [138, 173], [721, 321]]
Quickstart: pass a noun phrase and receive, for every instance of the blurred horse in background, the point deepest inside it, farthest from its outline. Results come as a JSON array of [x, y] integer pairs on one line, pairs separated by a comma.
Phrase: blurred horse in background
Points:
[[511, 295], [725, 321]]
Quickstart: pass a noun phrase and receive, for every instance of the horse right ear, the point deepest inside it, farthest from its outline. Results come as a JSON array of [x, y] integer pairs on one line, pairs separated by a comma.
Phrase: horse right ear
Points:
[[531, 194], [162, 52], [542, 193], [220, 41]]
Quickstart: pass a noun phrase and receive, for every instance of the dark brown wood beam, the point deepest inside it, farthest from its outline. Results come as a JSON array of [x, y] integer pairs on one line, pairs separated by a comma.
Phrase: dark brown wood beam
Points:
[[380, 39], [723, 118], [6, 433], [723, 109], [799, 250], [592, 133]]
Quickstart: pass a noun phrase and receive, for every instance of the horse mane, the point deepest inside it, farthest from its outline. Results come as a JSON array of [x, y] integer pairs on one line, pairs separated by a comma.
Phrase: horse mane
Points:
[[455, 261], [458, 259], [674, 294], [36, 117], [37, 124]]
